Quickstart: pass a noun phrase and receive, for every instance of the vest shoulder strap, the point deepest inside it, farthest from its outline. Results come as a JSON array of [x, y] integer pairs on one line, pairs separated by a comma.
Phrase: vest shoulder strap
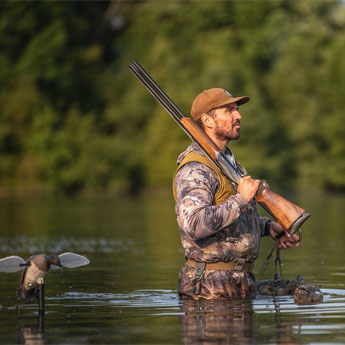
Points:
[[225, 188]]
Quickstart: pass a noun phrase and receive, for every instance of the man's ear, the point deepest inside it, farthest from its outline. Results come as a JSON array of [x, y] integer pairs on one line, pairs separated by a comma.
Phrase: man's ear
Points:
[[207, 120]]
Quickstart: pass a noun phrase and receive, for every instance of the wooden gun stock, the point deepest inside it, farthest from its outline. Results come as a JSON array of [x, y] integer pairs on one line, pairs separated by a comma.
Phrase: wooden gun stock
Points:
[[286, 213]]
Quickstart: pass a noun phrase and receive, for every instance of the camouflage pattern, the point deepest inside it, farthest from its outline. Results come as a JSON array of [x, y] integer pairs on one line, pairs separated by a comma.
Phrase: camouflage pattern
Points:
[[216, 284], [213, 233]]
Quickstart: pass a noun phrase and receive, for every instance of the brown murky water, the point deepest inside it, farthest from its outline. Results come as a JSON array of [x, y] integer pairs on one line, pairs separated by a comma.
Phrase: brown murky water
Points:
[[127, 295]]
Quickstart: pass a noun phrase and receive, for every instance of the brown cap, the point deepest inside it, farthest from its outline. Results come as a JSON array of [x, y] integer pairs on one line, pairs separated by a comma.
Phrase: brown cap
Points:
[[213, 98]]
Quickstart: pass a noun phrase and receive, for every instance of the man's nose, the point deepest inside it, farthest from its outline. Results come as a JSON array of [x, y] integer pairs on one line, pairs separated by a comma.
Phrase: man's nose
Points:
[[237, 115]]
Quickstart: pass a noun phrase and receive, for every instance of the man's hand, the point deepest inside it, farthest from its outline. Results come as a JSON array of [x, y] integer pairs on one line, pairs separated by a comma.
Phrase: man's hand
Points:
[[248, 187], [287, 240]]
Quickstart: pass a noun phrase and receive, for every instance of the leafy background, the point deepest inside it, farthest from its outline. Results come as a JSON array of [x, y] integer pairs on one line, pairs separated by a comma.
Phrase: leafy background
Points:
[[74, 121]]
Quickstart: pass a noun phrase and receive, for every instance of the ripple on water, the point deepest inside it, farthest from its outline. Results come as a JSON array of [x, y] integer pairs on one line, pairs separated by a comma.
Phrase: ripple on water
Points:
[[272, 314], [153, 299], [34, 245]]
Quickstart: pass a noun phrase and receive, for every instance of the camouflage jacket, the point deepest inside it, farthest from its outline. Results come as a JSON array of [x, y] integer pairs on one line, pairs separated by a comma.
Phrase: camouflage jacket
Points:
[[209, 232]]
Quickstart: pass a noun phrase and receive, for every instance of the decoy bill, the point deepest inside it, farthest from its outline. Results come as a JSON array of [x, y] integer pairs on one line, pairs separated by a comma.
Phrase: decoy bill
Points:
[[35, 268]]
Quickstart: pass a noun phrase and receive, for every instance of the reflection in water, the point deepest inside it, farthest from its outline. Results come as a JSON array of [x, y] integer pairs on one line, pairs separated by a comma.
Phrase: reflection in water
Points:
[[222, 321], [228, 322], [33, 334]]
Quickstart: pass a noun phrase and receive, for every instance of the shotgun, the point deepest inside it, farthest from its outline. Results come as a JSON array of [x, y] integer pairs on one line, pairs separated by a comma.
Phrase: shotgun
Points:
[[287, 214]]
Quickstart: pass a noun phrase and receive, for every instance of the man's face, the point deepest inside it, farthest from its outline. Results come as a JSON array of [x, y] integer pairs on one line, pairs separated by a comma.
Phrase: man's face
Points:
[[227, 122]]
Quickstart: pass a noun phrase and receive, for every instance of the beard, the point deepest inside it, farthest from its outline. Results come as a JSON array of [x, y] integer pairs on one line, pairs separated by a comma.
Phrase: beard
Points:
[[222, 134]]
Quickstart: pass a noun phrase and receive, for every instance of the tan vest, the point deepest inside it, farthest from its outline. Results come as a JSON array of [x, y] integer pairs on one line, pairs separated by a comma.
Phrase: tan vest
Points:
[[225, 188]]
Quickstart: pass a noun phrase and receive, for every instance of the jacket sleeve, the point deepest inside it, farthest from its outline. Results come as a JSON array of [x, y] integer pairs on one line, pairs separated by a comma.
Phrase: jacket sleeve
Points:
[[196, 186]]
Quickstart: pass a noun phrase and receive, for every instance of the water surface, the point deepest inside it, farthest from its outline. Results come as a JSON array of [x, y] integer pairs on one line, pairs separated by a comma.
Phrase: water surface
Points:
[[127, 295]]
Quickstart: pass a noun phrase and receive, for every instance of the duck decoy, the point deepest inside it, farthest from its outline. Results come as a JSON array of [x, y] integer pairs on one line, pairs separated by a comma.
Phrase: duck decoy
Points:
[[303, 292], [35, 268]]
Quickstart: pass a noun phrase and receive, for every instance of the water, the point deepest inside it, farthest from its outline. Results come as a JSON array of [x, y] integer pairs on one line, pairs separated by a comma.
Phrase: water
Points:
[[127, 295]]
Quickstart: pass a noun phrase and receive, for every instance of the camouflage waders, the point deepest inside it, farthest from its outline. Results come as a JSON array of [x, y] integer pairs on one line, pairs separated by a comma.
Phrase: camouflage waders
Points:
[[216, 224]]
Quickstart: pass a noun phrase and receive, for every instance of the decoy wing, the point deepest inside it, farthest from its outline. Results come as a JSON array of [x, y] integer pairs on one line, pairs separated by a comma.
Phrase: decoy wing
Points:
[[72, 260], [12, 264]]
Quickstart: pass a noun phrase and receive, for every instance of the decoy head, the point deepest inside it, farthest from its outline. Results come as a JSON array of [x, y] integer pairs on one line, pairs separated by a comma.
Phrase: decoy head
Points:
[[53, 259]]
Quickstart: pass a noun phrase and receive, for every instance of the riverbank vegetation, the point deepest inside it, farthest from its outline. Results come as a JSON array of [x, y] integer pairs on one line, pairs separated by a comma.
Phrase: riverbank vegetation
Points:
[[73, 120]]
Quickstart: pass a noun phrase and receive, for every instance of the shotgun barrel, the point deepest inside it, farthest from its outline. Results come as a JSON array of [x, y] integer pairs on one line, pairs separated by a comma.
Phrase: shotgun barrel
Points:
[[187, 124]]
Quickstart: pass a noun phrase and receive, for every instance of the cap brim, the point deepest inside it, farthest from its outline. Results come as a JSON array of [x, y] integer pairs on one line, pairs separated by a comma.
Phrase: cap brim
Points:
[[239, 100]]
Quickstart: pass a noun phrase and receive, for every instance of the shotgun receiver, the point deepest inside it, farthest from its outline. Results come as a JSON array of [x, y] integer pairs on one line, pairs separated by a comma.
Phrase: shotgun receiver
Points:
[[288, 215]]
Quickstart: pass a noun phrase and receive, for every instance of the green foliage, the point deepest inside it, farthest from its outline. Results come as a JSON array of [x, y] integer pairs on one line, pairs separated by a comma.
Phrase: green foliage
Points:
[[73, 119]]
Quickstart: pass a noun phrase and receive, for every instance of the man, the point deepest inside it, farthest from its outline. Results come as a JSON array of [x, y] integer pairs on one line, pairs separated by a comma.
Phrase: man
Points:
[[219, 225]]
